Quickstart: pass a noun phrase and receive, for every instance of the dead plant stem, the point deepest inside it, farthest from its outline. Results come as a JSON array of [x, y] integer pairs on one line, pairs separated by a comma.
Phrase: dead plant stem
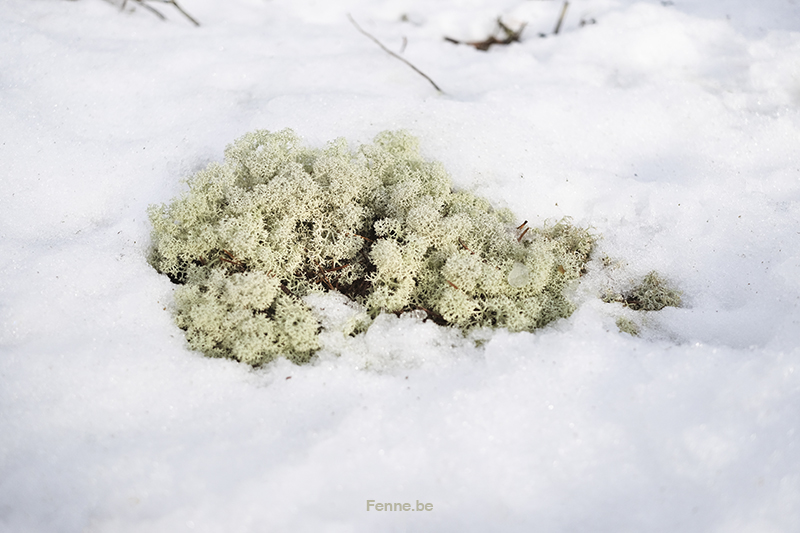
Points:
[[376, 41]]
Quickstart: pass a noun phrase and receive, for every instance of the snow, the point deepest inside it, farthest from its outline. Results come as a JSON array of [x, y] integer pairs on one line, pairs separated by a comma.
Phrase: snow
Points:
[[671, 128]]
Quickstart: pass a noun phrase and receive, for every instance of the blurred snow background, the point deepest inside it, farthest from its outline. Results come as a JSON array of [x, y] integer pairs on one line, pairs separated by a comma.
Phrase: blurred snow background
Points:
[[672, 128]]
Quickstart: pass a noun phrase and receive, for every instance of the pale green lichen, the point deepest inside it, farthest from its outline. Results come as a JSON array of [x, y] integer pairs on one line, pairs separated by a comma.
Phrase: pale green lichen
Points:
[[277, 221], [626, 325], [652, 293]]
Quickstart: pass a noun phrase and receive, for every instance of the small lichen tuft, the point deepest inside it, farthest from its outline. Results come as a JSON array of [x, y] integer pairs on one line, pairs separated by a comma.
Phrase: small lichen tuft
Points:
[[626, 325], [654, 293]]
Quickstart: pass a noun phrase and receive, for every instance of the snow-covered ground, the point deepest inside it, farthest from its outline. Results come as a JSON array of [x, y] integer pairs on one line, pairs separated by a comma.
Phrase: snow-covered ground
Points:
[[672, 128]]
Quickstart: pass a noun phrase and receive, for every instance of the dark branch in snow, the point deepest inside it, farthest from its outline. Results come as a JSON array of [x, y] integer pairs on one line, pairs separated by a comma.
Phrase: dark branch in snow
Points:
[[153, 10], [376, 41], [147, 7], [512, 36], [185, 14], [561, 18]]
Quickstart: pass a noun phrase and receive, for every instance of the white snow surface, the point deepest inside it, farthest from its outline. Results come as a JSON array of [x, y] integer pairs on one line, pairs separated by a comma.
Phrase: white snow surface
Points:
[[671, 128]]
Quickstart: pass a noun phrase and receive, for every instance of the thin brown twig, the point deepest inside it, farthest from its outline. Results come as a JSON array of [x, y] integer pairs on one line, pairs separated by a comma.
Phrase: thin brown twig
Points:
[[328, 283], [365, 238], [283, 287], [321, 275], [150, 8], [509, 31], [336, 269], [231, 259], [512, 36], [519, 239], [376, 41], [433, 315], [561, 18], [286, 290], [185, 14]]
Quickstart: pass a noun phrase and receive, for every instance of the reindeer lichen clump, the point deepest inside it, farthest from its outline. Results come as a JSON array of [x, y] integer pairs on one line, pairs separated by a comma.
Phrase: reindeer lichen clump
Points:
[[277, 221]]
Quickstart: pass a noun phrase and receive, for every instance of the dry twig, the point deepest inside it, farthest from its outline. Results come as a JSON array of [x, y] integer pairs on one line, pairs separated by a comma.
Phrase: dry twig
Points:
[[561, 18], [153, 10], [434, 316], [512, 36], [376, 41]]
